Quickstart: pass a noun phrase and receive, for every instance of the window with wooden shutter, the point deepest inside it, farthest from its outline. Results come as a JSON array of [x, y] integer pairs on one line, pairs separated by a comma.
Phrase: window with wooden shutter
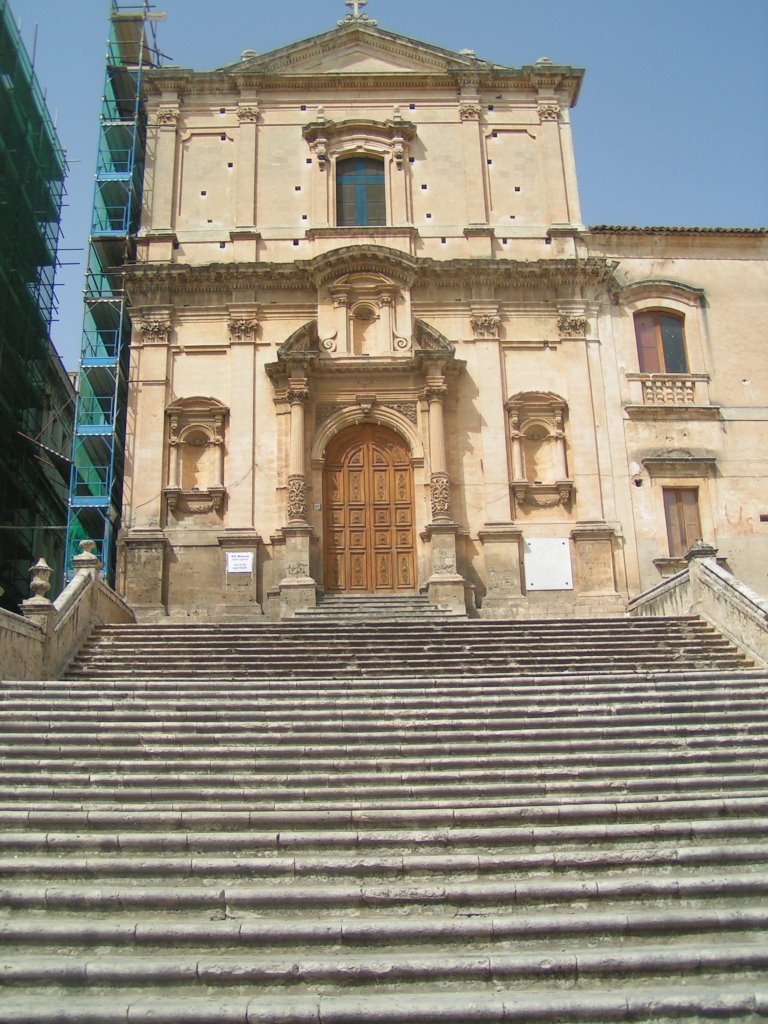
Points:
[[681, 511], [660, 340]]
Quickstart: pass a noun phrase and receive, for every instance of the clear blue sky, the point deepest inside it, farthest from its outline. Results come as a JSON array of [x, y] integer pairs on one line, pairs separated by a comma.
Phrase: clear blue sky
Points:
[[670, 127]]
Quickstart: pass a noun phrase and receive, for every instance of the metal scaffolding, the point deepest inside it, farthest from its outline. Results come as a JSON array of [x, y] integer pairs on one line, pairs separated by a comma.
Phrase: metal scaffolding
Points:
[[36, 394], [96, 481]]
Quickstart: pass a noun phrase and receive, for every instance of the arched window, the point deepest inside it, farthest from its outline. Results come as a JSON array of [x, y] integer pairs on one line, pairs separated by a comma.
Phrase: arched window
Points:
[[360, 192], [660, 340]]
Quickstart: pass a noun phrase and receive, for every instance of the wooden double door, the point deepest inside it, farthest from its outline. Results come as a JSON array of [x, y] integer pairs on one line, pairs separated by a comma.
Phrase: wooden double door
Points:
[[368, 503]]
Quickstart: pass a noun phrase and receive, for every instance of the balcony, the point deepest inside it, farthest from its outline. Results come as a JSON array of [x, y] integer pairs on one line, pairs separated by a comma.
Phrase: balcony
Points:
[[670, 396]]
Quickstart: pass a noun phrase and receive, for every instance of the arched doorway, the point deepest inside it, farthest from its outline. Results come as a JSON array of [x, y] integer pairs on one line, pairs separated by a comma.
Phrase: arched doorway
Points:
[[368, 502]]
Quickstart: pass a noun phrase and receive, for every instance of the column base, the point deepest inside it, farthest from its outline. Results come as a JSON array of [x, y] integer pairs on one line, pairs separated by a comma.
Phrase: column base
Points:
[[446, 587], [145, 572], [297, 588]]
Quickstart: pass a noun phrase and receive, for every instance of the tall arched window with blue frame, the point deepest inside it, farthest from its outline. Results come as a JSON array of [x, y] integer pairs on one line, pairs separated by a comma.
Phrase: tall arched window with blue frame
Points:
[[360, 192]]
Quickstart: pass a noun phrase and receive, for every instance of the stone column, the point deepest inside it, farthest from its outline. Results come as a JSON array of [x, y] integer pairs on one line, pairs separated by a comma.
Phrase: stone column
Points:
[[298, 392], [439, 484], [297, 588], [445, 586]]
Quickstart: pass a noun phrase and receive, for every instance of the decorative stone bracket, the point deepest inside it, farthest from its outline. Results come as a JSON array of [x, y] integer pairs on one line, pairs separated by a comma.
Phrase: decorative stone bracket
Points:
[[541, 495]]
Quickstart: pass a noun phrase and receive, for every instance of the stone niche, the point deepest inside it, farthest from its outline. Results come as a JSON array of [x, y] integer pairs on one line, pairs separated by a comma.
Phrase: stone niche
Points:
[[540, 478], [195, 460]]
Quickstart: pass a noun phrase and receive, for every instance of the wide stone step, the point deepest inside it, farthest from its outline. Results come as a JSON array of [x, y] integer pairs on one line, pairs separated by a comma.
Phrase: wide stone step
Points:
[[654, 1001], [388, 968], [530, 813], [527, 929], [289, 867], [715, 884], [572, 836]]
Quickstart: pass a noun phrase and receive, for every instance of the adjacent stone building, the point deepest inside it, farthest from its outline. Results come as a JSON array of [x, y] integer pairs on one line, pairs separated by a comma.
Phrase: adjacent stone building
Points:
[[375, 350]]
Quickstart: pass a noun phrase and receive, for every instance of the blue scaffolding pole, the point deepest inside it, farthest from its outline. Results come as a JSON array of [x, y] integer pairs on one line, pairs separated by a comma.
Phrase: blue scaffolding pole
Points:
[[96, 483]]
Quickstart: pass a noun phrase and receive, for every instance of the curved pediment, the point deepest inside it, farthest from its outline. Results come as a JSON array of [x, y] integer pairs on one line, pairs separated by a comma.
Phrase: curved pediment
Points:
[[362, 259], [303, 341], [428, 339]]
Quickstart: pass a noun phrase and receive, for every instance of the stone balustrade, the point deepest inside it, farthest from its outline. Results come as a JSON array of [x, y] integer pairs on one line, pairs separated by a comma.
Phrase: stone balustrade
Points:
[[41, 642], [705, 588]]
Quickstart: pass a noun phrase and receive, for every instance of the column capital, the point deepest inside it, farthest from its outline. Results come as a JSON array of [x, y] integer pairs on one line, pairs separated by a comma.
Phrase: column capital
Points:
[[434, 391], [297, 391]]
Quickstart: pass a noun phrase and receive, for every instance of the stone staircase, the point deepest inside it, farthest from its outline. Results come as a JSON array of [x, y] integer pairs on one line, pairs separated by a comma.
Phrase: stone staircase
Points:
[[396, 818]]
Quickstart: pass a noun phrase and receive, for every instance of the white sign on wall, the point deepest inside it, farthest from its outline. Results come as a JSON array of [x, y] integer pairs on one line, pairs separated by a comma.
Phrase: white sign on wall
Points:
[[547, 564], [239, 561]]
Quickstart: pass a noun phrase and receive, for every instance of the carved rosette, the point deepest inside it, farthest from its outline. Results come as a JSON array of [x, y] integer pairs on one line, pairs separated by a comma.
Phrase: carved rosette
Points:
[[242, 328], [469, 111], [549, 112], [440, 497], [155, 332], [297, 499], [485, 325], [168, 117], [248, 114], [572, 327]]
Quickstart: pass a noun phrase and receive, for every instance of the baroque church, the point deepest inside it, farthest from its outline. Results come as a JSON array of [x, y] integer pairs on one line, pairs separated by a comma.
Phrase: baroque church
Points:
[[376, 351]]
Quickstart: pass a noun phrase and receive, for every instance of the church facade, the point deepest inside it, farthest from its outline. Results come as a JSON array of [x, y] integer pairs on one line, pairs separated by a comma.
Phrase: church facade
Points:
[[376, 351]]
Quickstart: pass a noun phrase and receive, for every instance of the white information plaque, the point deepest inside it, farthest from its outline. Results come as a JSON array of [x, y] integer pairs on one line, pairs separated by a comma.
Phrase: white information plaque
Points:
[[547, 564], [239, 561]]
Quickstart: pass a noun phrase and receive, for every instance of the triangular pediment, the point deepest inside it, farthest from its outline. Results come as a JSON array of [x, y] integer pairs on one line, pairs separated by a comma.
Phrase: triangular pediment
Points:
[[356, 49]]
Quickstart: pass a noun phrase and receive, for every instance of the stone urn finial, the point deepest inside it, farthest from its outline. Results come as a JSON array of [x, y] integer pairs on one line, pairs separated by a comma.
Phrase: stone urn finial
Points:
[[40, 583], [87, 559]]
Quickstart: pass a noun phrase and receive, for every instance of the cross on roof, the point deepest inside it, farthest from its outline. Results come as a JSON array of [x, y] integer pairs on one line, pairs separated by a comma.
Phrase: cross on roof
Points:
[[355, 5]]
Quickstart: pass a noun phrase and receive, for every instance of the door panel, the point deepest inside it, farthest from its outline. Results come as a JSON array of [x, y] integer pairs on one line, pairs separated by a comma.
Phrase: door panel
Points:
[[368, 500]]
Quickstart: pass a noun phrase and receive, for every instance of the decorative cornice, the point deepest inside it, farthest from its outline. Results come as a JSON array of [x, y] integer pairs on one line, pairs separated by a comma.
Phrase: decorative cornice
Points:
[[146, 279], [616, 229]]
